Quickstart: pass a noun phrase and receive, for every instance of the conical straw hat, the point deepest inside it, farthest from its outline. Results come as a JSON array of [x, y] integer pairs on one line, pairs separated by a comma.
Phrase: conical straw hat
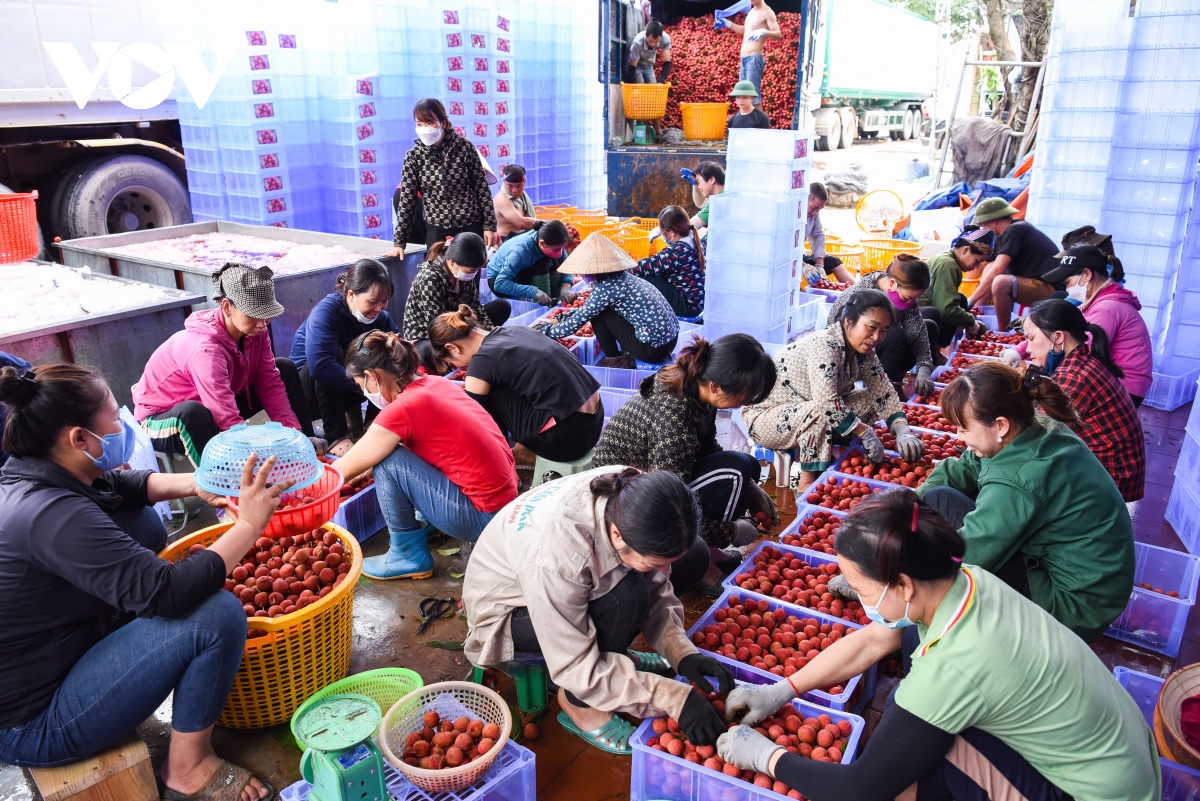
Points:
[[597, 255]]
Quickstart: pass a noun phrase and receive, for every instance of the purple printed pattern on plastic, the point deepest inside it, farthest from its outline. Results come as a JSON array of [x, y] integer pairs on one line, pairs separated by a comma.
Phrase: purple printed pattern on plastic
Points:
[[484, 151], [480, 129], [256, 38], [370, 200], [262, 86], [287, 41], [502, 23], [267, 136], [456, 108], [501, 128], [801, 148], [503, 152], [501, 85], [367, 177], [259, 63], [373, 220], [503, 46], [272, 183], [479, 87], [365, 130], [798, 179], [454, 84], [481, 108], [264, 110], [268, 161], [366, 156], [477, 40], [364, 87], [454, 40], [501, 107], [454, 63], [366, 110], [276, 205], [450, 17], [502, 66], [481, 65]]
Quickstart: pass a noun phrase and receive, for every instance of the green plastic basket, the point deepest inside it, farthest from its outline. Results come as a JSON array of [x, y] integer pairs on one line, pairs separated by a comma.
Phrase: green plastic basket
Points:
[[384, 686]]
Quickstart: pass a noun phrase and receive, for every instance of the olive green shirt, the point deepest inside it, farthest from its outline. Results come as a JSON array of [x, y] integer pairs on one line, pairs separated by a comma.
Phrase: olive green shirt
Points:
[[1047, 497], [945, 278]]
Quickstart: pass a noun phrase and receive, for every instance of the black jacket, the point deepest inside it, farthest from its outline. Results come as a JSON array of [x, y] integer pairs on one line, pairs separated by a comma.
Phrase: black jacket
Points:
[[436, 291], [66, 569]]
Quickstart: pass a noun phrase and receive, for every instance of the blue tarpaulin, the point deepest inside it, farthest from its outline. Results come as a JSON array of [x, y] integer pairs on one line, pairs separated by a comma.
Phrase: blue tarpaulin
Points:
[[944, 197]]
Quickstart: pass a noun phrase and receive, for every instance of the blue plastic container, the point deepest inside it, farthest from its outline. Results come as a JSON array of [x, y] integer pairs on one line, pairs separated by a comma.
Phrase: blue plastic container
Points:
[[1151, 619], [658, 776], [1180, 783], [619, 378], [1183, 513], [1143, 687], [361, 514]]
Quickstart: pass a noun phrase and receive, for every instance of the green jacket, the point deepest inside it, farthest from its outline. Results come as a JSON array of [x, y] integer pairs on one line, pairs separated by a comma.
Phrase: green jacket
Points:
[[1046, 496], [945, 277]]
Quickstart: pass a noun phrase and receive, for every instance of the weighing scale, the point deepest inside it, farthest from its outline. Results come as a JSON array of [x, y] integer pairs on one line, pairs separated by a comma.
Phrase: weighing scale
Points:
[[341, 761]]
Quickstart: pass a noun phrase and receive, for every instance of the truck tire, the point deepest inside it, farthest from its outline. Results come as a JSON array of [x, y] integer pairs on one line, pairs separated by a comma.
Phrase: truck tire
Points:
[[907, 131], [123, 193], [41, 240], [849, 130], [62, 186], [832, 140]]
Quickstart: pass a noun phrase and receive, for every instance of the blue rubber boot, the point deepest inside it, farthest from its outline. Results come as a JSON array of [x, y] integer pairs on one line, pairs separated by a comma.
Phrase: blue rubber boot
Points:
[[408, 557]]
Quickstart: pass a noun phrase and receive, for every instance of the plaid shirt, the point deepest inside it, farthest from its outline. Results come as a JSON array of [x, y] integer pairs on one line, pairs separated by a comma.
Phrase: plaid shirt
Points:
[[1108, 422]]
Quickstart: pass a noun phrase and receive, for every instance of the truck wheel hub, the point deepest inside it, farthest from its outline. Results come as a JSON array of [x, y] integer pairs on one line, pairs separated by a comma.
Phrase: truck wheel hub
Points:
[[136, 208]]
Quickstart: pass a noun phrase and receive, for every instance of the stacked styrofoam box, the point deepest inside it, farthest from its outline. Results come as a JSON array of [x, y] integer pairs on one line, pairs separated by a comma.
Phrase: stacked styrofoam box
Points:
[[756, 236]]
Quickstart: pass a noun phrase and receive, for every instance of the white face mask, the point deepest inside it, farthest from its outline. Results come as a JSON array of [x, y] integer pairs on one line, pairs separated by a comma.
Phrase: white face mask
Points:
[[430, 134], [469, 275], [362, 318], [1078, 293], [376, 398]]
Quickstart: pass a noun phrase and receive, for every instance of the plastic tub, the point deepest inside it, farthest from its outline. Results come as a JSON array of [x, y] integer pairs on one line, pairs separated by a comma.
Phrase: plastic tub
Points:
[[1153, 620], [1183, 513], [1143, 687], [1174, 382], [361, 514], [658, 776], [299, 653], [645, 101], [297, 520], [810, 313], [758, 309], [802, 514], [883, 486], [751, 247], [764, 281], [1187, 469], [704, 121], [619, 378], [1180, 783], [753, 675], [766, 214], [811, 558], [775, 146]]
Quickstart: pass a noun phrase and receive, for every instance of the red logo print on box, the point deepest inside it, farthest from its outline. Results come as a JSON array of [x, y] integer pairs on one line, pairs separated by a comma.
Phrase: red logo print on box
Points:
[[480, 129], [501, 107], [484, 151], [454, 40], [262, 86], [798, 179], [287, 41], [272, 183], [502, 151], [481, 65], [458, 129], [373, 220], [263, 110], [501, 129], [477, 40], [479, 87], [276, 205], [267, 137], [256, 38], [502, 23], [367, 177], [801, 148], [363, 87], [454, 63], [450, 17], [259, 63], [481, 108], [366, 157], [502, 67], [456, 108], [280, 224], [503, 46], [454, 84], [366, 110], [370, 200], [365, 130], [268, 161], [501, 85]]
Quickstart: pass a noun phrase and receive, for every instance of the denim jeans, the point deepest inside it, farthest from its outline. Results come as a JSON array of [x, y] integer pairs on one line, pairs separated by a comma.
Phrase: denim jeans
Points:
[[644, 73], [751, 69], [407, 483], [123, 678]]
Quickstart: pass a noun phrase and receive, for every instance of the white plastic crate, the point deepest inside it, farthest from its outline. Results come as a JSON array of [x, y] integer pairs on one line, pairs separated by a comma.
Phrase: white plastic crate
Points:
[[1174, 384], [1183, 513], [1153, 619]]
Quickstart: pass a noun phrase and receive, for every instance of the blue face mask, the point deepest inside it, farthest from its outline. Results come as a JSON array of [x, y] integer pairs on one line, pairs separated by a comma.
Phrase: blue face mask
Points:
[[874, 615], [1053, 360], [116, 449]]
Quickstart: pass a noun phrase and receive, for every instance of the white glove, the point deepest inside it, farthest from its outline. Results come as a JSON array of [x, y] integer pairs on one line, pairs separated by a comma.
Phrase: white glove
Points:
[[746, 748], [744, 532], [909, 444], [751, 703], [760, 33], [1011, 358], [813, 273], [872, 445]]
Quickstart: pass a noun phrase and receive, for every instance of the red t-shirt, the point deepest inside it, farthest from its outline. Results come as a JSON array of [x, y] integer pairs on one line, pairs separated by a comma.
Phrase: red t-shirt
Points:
[[442, 424]]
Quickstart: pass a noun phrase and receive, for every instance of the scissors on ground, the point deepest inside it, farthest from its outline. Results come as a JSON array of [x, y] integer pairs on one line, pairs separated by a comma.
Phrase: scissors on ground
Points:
[[432, 609]]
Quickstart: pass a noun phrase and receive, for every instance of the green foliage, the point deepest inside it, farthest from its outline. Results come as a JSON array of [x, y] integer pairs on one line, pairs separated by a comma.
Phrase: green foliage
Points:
[[964, 14]]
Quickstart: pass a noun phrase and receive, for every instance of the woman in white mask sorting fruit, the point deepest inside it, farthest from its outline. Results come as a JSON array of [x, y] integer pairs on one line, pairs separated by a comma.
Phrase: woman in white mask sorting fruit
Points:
[[445, 170], [1001, 700], [357, 306], [433, 450]]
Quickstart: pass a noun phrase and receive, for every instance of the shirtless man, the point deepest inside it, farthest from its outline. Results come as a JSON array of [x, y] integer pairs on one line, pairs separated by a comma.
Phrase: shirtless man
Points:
[[514, 209], [760, 25]]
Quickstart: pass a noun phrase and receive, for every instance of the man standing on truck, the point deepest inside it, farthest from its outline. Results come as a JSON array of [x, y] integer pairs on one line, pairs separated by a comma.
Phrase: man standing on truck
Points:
[[643, 54], [760, 25]]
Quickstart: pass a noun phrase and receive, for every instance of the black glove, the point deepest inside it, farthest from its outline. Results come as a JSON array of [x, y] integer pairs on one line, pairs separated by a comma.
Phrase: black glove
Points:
[[666, 70], [699, 668], [628, 76], [699, 721]]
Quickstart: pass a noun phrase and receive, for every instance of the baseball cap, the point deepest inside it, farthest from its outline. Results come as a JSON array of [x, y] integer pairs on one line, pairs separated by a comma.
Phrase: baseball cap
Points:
[[993, 208], [1077, 259], [1086, 235], [250, 289], [744, 89]]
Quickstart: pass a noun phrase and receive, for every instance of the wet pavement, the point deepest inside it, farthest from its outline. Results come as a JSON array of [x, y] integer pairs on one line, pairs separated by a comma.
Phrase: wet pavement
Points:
[[386, 617]]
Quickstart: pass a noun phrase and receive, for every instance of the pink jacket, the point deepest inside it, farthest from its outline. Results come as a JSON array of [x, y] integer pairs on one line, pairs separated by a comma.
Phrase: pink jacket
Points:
[[1115, 309], [203, 363]]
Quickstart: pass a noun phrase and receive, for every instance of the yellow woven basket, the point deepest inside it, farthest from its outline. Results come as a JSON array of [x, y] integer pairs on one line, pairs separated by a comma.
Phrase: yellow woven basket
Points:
[[878, 252], [645, 101]]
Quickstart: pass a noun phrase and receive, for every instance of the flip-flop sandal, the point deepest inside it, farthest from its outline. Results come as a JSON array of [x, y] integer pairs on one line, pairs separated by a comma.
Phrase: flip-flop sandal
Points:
[[226, 784], [612, 737], [650, 662]]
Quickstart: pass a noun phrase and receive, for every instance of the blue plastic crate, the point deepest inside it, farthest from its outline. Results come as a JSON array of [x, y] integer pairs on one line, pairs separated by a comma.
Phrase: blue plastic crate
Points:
[[1174, 382], [512, 777], [1153, 620], [1183, 513], [619, 378], [658, 776], [753, 675], [614, 399], [1143, 687], [361, 514], [1180, 783]]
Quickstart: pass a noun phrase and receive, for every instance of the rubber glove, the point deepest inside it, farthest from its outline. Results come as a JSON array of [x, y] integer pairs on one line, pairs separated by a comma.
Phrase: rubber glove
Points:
[[812, 273], [924, 384], [760, 33], [567, 296], [760, 501], [980, 328], [699, 721], [541, 298], [720, 25], [751, 703], [872, 445], [320, 446], [699, 668], [687, 175], [909, 444], [744, 532], [746, 748], [841, 588], [1011, 358]]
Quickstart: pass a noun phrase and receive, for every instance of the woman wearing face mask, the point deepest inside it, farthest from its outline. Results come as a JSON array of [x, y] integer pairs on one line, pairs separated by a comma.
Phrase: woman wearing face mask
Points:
[[574, 570], [1093, 283], [632, 320], [514, 207], [532, 387], [907, 342], [358, 305], [672, 425], [448, 279], [1057, 334], [830, 384], [999, 694], [433, 450], [99, 629], [446, 171], [1034, 504], [677, 271], [526, 267]]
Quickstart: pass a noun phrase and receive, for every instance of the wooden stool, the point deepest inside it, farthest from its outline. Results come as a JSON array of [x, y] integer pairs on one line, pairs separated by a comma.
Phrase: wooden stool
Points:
[[122, 773]]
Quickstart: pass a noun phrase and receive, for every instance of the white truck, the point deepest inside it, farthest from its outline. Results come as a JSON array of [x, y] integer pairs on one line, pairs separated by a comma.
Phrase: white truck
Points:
[[872, 65], [87, 105]]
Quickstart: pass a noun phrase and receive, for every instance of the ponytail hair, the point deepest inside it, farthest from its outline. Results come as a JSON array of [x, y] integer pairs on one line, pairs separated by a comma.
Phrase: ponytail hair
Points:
[[895, 533], [676, 220], [655, 513], [451, 327], [43, 401], [736, 363], [993, 389], [364, 274], [385, 352], [553, 232], [1059, 315], [1116, 270]]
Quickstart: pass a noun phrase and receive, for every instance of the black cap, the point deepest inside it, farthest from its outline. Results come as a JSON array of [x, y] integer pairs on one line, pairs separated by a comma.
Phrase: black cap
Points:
[[1086, 235], [1075, 260]]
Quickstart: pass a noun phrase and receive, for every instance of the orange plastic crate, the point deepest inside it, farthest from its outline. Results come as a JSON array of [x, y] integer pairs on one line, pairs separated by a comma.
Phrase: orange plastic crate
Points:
[[18, 227]]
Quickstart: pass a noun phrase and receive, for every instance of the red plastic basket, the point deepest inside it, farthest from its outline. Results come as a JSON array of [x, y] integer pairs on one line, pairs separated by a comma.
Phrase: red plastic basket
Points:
[[299, 519], [18, 227]]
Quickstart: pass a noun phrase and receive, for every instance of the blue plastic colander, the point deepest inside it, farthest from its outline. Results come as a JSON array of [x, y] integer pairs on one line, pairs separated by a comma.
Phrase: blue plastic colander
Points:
[[221, 465]]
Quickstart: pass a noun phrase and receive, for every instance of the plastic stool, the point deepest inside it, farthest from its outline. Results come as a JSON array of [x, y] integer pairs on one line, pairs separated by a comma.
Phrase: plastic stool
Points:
[[532, 680], [543, 466]]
